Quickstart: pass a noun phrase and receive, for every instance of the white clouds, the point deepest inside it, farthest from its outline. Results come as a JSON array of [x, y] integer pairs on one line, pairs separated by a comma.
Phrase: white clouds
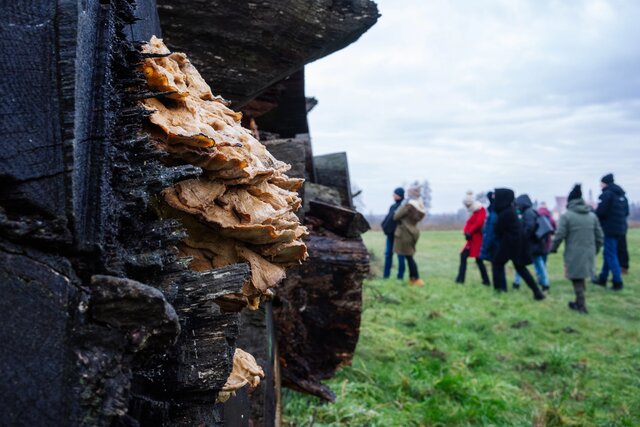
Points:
[[534, 94]]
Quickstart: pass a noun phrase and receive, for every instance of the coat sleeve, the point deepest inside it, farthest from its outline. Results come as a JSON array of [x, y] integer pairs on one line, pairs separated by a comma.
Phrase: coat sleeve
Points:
[[604, 207], [561, 233], [598, 234], [475, 222], [401, 213]]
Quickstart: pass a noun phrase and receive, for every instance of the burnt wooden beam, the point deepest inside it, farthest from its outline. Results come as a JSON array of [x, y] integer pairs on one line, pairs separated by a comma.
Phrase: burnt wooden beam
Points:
[[332, 170], [245, 47], [342, 221], [317, 312]]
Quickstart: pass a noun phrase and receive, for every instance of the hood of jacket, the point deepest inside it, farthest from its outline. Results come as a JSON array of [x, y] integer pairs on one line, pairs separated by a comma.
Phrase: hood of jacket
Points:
[[523, 202], [503, 198], [579, 206], [615, 189]]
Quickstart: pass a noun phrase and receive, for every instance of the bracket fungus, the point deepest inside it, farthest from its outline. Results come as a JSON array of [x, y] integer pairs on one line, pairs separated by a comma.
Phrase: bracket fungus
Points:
[[242, 208]]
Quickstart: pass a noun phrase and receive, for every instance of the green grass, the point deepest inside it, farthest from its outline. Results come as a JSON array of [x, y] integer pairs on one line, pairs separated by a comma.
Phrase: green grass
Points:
[[453, 355]]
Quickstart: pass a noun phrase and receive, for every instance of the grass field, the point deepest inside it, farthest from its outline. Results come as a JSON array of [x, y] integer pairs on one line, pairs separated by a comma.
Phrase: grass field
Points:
[[461, 355]]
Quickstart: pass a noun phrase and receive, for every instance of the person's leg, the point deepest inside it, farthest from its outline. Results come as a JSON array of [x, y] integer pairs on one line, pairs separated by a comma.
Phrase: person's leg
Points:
[[516, 281], [388, 257], [606, 256], [579, 289], [611, 255], [401, 266], [623, 254], [541, 271], [483, 272], [499, 277], [413, 268], [414, 277], [462, 270], [529, 280]]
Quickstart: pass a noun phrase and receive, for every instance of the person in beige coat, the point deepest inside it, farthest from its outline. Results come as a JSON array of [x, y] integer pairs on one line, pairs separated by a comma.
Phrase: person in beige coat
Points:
[[580, 230], [407, 233]]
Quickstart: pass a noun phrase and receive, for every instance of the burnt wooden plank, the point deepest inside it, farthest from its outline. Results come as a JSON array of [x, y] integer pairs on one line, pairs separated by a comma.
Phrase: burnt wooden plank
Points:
[[317, 312], [342, 221], [332, 170]]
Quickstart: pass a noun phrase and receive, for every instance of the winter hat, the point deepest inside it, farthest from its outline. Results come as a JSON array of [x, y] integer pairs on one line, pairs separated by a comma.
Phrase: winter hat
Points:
[[607, 179], [399, 191], [414, 191], [468, 199], [576, 193]]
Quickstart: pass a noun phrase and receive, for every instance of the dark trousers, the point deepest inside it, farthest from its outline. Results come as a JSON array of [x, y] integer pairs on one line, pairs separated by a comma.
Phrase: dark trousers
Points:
[[462, 270], [579, 288], [388, 260], [623, 252], [500, 279], [413, 267]]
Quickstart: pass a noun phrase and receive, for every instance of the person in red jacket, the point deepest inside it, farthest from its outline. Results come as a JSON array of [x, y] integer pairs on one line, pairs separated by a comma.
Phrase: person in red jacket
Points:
[[473, 233]]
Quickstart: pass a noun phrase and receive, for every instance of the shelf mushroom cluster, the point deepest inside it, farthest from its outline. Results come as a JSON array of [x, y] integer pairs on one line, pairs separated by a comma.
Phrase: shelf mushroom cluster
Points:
[[242, 208]]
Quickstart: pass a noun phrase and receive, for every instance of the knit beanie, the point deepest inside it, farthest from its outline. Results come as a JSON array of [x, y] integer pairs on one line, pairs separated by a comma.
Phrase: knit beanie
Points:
[[414, 191], [576, 193], [399, 191], [607, 179], [468, 199]]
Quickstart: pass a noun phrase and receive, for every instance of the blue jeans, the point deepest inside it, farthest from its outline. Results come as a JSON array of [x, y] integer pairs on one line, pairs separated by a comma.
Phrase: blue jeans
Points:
[[541, 271], [388, 260], [611, 262]]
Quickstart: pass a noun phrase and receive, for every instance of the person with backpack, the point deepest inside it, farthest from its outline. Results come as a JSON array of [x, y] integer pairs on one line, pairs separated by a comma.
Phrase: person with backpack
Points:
[[389, 228], [513, 245], [407, 233], [489, 242], [544, 211], [580, 230], [473, 234], [612, 211], [531, 221]]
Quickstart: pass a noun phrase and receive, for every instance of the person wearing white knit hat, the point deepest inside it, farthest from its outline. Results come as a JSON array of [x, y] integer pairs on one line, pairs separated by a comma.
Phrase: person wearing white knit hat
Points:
[[407, 233], [473, 233]]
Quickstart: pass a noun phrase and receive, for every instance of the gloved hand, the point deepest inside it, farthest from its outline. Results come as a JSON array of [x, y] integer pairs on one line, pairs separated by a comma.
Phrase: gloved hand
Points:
[[467, 236]]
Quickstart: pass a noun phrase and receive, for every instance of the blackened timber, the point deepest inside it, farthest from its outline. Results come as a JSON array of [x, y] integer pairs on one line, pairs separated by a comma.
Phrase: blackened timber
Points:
[[342, 221], [245, 47], [332, 170], [317, 312]]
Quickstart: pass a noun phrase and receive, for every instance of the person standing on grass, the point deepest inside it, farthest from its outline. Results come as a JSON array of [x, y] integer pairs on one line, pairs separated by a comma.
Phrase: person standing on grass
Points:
[[612, 212], [473, 233], [529, 218], [389, 229], [407, 233], [512, 244], [580, 230], [548, 240], [489, 242]]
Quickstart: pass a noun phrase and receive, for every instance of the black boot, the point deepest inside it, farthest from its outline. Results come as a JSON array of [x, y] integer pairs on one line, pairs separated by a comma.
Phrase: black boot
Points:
[[617, 286], [576, 307], [600, 282]]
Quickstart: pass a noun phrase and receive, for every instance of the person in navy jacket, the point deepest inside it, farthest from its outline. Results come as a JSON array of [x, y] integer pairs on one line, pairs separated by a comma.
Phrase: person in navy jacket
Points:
[[389, 228]]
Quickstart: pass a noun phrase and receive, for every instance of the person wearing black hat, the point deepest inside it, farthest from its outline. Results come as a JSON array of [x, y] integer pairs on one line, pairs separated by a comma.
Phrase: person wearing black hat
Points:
[[580, 230], [612, 212], [389, 228], [513, 245]]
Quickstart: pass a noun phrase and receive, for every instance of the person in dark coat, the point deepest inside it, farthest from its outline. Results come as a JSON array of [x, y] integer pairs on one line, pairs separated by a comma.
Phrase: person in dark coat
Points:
[[512, 244], [612, 212], [489, 242], [580, 230], [389, 228], [473, 234], [529, 218], [544, 211]]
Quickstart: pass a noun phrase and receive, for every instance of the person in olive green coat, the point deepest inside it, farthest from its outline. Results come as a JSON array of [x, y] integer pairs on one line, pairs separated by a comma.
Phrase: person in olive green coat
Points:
[[407, 233], [580, 230]]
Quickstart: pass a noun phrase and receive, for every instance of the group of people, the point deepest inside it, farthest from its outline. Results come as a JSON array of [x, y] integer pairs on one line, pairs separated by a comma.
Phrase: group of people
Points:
[[512, 229]]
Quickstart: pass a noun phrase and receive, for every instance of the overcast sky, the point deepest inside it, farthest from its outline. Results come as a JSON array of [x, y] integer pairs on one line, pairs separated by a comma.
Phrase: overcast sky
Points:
[[472, 94]]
